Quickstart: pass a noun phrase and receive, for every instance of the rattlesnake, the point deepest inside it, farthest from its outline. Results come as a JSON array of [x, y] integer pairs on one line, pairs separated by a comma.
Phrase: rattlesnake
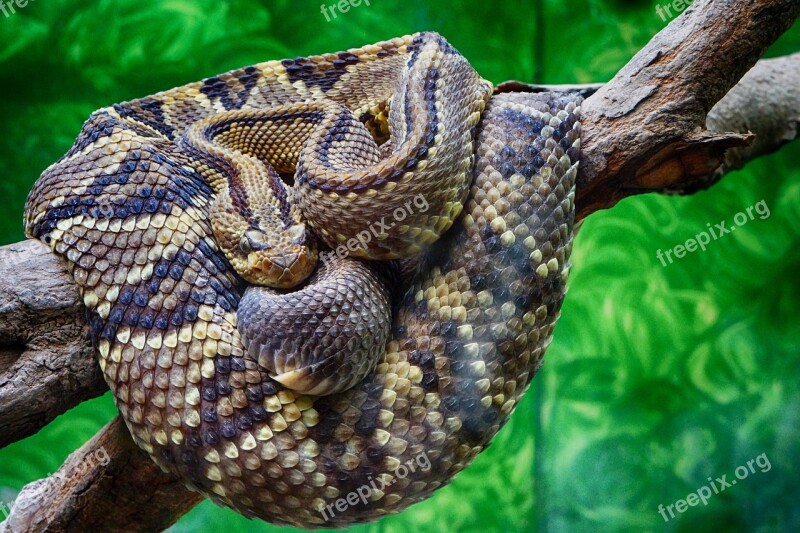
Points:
[[130, 208]]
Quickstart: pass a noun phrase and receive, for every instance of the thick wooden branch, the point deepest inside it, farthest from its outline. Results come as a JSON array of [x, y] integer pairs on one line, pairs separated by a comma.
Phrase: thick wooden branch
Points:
[[649, 129], [108, 485], [765, 102], [646, 127], [47, 364]]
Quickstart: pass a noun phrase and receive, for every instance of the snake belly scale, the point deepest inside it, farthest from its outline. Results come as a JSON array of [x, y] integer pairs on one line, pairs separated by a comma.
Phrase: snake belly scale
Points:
[[130, 209]]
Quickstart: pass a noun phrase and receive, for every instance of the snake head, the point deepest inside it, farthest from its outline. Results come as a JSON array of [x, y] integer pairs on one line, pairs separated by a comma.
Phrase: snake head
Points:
[[279, 259]]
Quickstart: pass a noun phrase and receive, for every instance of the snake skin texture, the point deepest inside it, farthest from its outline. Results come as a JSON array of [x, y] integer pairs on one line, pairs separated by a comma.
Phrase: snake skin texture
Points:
[[325, 337], [129, 211]]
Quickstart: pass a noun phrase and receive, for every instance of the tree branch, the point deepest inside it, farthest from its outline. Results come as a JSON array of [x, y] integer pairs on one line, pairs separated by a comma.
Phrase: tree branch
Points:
[[646, 127], [644, 131], [108, 484], [47, 364], [767, 103]]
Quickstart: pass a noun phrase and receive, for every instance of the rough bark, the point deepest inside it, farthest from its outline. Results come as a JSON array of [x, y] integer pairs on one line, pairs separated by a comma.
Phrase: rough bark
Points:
[[108, 485], [46, 360], [647, 130], [646, 127], [770, 95]]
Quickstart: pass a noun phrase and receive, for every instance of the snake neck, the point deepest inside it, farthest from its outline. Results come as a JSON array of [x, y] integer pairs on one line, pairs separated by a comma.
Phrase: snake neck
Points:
[[257, 225]]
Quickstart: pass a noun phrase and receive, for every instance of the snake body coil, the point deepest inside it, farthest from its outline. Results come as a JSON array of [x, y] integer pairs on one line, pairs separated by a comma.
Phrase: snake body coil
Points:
[[129, 207]]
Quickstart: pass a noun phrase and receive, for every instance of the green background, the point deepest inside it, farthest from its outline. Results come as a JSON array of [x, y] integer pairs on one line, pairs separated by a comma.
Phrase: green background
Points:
[[658, 377]]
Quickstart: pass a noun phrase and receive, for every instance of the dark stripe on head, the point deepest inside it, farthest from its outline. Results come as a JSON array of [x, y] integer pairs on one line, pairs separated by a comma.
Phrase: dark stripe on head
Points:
[[307, 71], [225, 92], [216, 89], [100, 124], [146, 111], [223, 166], [279, 191]]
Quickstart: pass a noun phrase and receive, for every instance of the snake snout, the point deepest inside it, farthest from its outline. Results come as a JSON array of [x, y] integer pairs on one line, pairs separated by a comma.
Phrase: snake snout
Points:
[[280, 259], [282, 268]]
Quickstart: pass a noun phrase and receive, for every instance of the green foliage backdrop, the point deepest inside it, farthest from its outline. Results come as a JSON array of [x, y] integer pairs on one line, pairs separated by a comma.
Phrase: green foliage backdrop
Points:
[[658, 378]]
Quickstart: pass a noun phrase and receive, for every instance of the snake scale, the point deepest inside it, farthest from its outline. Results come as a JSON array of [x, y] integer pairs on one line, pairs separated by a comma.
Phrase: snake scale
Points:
[[130, 209]]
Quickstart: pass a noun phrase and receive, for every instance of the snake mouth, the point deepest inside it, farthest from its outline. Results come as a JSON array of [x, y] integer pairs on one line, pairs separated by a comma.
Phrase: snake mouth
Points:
[[280, 260], [280, 269]]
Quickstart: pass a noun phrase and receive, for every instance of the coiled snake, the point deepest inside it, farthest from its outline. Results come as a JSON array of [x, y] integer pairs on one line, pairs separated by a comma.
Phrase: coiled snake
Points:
[[165, 205]]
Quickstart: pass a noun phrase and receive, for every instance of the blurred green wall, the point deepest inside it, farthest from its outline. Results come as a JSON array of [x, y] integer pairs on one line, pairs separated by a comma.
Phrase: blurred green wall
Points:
[[658, 378]]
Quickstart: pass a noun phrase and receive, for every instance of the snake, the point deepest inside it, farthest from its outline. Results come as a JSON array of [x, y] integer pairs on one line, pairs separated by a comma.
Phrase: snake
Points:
[[194, 223]]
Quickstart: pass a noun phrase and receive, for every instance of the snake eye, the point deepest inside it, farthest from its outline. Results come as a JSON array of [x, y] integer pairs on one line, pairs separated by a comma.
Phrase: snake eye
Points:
[[297, 233], [244, 245], [253, 241]]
